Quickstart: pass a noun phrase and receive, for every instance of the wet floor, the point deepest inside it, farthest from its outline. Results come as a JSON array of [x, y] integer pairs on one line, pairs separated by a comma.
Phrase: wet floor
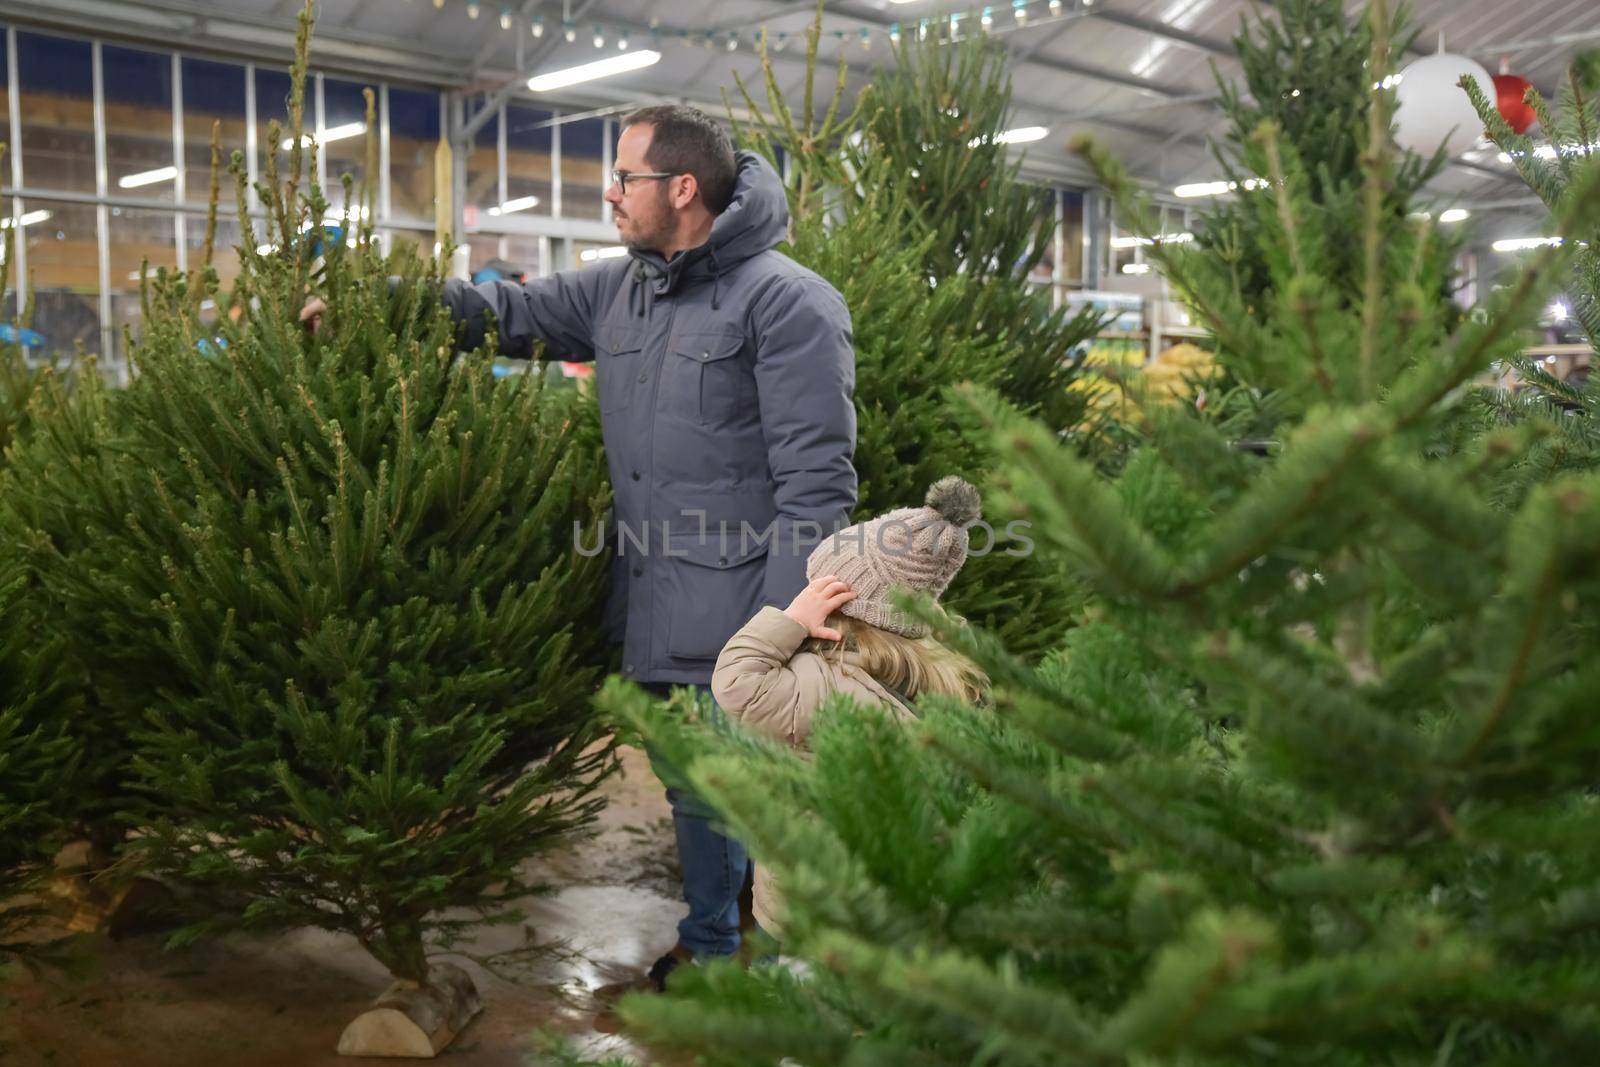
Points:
[[282, 1001]]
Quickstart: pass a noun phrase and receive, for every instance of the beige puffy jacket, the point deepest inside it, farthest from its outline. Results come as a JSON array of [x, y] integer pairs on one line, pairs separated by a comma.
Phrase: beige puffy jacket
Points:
[[764, 681]]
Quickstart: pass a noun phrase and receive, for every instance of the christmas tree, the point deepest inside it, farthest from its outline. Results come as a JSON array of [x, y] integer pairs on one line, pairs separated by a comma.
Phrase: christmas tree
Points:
[[1312, 781], [938, 296], [1555, 171], [330, 588]]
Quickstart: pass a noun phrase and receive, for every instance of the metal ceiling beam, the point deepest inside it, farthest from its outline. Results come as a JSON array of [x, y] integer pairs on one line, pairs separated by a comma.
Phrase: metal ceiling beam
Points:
[[1157, 28]]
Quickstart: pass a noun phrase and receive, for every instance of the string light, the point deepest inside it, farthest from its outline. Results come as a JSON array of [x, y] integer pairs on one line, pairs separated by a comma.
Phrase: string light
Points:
[[599, 36], [1055, 7], [894, 32], [538, 26], [1019, 11], [622, 42], [438, 5], [472, 10], [733, 42], [987, 18], [570, 30], [505, 18]]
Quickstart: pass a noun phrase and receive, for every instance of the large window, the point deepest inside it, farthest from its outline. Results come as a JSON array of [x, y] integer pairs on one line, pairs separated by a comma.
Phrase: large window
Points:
[[213, 95], [140, 241], [64, 273], [138, 102], [529, 142], [345, 132], [56, 82], [583, 178], [413, 143]]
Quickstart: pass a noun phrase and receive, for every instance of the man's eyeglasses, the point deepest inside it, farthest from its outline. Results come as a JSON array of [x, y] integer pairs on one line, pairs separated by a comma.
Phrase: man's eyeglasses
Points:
[[622, 177]]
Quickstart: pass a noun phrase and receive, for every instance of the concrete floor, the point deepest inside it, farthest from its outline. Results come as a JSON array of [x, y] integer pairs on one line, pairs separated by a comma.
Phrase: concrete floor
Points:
[[283, 1001]]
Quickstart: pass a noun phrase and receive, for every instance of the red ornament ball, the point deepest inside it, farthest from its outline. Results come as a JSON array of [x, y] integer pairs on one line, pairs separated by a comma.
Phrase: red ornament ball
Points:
[[1509, 90]]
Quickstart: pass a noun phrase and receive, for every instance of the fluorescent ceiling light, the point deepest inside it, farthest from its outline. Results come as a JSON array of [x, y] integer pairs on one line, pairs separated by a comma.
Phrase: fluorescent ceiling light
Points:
[[1020, 135], [589, 255], [1216, 188], [1136, 268], [27, 219], [521, 203], [332, 133], [1558, 311], [1164, 239], [1455, 214], [1519, 244], [147, 177], [600, 68]]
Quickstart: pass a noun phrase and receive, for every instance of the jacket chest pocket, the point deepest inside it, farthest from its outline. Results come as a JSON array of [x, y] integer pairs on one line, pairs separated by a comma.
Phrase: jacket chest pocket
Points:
[[704, 379], [618, 363]]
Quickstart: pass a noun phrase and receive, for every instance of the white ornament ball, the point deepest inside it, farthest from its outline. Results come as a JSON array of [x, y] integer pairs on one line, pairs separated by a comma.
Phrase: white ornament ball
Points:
[[1432, 108]]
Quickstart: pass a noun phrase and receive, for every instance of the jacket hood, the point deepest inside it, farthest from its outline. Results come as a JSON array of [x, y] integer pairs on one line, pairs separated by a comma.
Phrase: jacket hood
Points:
[[756, 220]]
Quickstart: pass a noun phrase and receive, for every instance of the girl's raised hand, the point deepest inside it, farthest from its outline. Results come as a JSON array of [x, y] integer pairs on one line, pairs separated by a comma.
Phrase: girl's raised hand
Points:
[[818, 600]]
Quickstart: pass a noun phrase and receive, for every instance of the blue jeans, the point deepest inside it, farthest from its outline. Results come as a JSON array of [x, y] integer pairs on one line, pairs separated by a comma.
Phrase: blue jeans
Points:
[[714, 865]]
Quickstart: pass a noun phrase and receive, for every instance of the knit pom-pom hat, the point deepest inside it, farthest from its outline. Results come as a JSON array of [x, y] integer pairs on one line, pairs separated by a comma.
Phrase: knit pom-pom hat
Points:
[[915, 549]]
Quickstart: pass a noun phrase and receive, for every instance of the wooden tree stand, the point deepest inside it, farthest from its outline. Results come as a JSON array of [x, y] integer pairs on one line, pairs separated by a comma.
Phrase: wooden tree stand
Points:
[[414, 1021]]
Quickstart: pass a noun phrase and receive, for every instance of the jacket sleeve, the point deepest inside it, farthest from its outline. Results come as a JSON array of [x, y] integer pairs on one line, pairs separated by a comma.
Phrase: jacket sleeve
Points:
[[558, 310], [805, 370], [758, 680]]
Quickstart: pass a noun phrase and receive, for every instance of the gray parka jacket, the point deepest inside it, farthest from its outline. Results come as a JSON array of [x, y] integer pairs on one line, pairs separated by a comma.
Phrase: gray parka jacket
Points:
[[726, 380]]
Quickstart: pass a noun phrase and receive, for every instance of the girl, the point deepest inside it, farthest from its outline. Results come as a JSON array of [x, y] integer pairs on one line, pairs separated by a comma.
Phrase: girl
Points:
[[842, 634]]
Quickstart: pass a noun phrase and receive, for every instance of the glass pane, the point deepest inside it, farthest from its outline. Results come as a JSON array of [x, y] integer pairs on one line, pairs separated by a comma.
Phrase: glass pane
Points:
[[483, 168], [212, 93], [344, 132], [528, 145], [413, 138], [1072, 237], [56, 80], [63, 266], [224, 249], [272, 102], [140, 240], [583, 181], [138, 96], [1042, 273]]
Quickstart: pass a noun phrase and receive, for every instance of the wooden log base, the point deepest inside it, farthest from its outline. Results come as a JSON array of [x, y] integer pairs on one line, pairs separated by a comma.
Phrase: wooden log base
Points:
[[411, 1021]]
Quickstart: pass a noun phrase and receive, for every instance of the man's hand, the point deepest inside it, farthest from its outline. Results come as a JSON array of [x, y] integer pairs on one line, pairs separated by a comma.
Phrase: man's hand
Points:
[[816, 602], [311, 314]]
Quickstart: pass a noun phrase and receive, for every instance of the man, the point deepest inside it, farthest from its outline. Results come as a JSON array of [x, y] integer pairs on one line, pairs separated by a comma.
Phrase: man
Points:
[[725, 375]]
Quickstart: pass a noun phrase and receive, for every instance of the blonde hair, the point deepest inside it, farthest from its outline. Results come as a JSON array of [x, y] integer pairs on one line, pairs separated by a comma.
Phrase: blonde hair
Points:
[[914, 666]]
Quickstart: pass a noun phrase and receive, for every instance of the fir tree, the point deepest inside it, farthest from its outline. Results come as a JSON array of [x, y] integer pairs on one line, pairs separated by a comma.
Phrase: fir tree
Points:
[[330, 589], [1310, 784], [935, 275]]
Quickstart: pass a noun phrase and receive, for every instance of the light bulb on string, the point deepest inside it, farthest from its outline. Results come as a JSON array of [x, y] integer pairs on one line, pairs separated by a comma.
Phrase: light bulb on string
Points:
[[622, 43], [537, 29], [894, 32], [570, 31], [505, 18], [599, 36], [1055, 7], [733, 42], [987, 18], [1019, 11], [438, 5], [472, 10], [922, 30]]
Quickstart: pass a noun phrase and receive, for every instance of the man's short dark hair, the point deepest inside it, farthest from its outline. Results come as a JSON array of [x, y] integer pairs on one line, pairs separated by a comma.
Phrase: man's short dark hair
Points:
[[684, 140]]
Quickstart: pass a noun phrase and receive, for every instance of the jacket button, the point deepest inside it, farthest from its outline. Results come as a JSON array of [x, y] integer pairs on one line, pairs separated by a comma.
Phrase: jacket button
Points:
[[705, 355], [635, 475], [638, 572], [722, 562], [645, 376]]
